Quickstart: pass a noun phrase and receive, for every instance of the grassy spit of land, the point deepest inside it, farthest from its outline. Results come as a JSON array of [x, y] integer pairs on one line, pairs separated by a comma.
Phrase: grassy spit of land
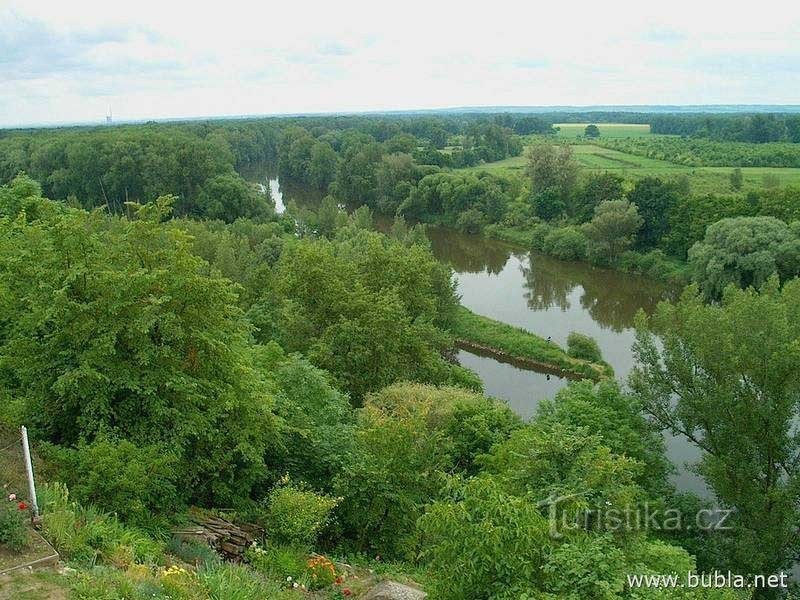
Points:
[[519, 347]]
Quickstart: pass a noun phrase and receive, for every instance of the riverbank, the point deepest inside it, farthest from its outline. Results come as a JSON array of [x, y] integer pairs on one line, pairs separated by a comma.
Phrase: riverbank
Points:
[[654, 264], [516, 346]]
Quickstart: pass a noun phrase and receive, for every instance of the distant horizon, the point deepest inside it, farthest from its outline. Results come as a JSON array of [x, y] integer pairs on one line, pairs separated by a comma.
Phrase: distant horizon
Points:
[[65, 64], [487, 109]]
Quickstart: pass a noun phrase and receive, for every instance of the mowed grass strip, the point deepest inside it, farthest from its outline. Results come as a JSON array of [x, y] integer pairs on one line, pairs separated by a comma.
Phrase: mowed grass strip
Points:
[[517, 344]]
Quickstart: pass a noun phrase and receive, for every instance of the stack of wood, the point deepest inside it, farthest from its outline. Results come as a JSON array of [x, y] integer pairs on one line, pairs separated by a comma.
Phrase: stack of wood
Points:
[[226, 537]]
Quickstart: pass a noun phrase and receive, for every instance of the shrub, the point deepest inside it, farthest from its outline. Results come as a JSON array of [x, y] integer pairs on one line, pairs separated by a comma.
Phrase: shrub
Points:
[[483, 542], [133, 482], [566, 243], [13, 531], [281, 563], [583, 347], [296, 516], [193, 552]]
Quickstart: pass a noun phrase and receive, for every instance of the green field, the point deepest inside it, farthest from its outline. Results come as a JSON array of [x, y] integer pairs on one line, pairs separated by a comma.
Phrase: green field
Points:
[[607, 130], [632, 167]]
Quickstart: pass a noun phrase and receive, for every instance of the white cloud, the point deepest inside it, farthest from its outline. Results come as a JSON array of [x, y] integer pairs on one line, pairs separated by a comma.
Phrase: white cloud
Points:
[[64, 61]]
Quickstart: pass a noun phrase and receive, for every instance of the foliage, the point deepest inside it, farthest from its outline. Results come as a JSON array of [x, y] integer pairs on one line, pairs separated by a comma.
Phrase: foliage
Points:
[[86, 535], [583, 347], [135, 482], [119, 329], [616, 417], [744, 251], [482, 542], [591, 131], [696, 152], [655, 200], [551, 167], [726, 377], [365, 307], [13, 529], [612, 229], [296, 516]]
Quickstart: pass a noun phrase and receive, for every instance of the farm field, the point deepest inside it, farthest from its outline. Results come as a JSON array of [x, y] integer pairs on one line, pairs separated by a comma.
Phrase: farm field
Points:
[[607, 130], [632, 167]]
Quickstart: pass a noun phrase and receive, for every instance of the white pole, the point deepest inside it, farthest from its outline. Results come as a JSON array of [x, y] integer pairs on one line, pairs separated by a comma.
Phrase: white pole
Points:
[[26, 451]]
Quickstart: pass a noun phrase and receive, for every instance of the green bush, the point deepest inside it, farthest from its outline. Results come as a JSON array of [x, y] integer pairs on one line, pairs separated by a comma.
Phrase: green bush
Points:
[[13, 531], [193, 552], [566, 243], [583, 347], [297, 516], [117, 476]]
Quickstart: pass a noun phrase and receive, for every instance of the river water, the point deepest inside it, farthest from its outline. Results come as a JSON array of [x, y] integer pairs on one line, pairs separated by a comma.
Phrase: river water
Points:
[[551, 298]]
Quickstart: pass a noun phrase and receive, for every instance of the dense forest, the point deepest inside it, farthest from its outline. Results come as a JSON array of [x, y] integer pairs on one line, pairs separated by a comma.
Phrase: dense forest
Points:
[[171, 342]]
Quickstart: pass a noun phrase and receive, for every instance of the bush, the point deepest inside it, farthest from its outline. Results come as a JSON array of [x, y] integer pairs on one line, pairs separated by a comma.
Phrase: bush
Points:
[[566, 243], [193, 552], [117, 476], [13, 531], [297, 516], [583, 347]]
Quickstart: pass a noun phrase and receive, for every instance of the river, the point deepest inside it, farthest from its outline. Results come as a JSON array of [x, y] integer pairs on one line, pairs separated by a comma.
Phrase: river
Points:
[[551, 298]]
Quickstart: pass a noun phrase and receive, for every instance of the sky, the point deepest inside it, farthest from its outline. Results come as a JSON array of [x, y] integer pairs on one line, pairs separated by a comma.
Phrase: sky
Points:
[[70, 61]]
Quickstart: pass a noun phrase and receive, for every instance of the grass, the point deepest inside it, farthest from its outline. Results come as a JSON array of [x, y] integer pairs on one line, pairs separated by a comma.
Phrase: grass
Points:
[[37, 548], [702, 180], [519, 346], [607, 130]]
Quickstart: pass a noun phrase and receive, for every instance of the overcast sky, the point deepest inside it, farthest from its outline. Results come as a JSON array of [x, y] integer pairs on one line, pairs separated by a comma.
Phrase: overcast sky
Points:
[[67, 61]]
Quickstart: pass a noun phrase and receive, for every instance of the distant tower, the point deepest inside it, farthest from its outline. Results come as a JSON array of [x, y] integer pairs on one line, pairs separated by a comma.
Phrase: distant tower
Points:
[[108, 116]]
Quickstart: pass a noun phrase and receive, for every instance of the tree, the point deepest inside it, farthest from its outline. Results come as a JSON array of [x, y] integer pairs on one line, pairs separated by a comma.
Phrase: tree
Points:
[[727, 377], [229, 197], [118, 329], [612, 229], [736, 179], [744, 251], [322, 165], [591, 131], [655, 200], [551, 167], [597, 188]]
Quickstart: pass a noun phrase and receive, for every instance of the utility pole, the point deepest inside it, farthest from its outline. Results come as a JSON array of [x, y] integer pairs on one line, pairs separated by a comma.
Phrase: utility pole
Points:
[[26, 451]]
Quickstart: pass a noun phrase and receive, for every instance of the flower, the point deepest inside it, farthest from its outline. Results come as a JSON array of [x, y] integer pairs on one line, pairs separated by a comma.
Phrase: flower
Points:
[[22, 506], [339, 580], [289, 578], [347, 592], [12, 497]]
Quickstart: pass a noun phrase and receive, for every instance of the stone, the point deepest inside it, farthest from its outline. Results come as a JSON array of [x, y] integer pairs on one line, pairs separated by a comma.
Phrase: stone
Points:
[[391, 590]]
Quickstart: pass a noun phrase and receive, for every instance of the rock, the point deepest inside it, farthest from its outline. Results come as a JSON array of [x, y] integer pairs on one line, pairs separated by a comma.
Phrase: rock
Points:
[[391, 590]]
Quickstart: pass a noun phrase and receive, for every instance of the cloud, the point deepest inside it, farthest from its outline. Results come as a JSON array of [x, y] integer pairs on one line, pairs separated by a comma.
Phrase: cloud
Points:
[[150, 59]]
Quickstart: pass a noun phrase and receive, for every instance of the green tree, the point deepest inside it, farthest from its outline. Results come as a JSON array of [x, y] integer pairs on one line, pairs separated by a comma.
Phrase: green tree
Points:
[[727, 377], [736, 179], [322, 166], [119, 329], [744, 251], [596, 188], [552, 167], [655, 200], [613, 228], [591, 131]]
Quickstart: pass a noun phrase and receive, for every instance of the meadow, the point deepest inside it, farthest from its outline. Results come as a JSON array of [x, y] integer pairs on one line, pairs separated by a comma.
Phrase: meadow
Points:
[[633, 167]]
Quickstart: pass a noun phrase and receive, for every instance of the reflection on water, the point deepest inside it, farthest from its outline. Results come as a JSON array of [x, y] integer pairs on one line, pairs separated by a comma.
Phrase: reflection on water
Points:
[[522, 389], [550, 298]]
